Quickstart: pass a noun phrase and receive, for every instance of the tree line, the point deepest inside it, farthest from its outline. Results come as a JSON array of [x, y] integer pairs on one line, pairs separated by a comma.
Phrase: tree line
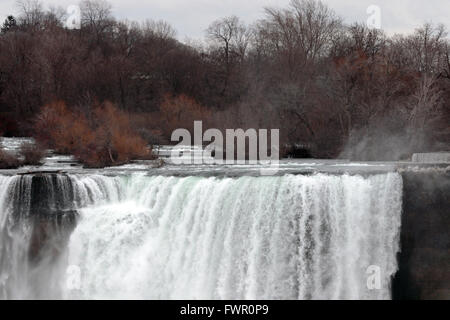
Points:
[[332, 89]]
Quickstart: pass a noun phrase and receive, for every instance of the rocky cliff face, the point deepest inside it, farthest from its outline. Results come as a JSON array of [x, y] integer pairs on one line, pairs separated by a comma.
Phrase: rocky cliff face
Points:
[[51, 214], [424, 261]]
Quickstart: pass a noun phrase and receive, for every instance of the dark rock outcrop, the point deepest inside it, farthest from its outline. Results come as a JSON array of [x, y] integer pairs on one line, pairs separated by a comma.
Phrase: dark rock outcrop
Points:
[[51, 215], [424, 261]]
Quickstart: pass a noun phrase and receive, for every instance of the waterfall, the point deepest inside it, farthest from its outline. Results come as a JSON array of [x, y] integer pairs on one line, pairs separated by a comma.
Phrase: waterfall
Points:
[[155, 237], [14, 235], [35, 223]]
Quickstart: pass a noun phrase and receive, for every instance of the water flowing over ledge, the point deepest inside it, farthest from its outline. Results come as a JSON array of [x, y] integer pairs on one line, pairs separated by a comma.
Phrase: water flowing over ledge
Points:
[[155, 237]]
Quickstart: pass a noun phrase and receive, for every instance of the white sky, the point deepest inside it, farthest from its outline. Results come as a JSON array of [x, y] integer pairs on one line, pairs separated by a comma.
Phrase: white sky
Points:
[[191, 17]]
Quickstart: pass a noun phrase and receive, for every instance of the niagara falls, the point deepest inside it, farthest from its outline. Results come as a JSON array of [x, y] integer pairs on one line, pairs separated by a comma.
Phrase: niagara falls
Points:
[[223, 159]]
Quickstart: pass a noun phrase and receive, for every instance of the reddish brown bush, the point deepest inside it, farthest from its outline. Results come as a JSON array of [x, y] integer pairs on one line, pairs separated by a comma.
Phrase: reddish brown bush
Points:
[[106, 139], [61, 129], [181, 112]]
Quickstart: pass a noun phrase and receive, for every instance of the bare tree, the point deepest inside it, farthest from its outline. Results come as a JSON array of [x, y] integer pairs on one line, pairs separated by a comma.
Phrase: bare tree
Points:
[[425, 49], [31, 13], [229, 38], [96, 16], [371, 42], [298, 68], [305, 30], [160, 29], [425, 104], [231, 35]]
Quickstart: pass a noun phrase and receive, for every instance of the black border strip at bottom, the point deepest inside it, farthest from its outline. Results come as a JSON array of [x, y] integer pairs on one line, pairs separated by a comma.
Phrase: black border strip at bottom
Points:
[[206, 309]]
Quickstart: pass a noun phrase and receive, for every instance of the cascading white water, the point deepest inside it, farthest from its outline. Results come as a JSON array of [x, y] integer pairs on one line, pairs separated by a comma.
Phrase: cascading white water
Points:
[[287, 237], [291, 237], [14, 237], [32, 259]]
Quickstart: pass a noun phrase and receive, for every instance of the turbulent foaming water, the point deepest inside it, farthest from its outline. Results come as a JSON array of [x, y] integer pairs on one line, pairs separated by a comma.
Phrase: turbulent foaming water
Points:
[[153, 237]]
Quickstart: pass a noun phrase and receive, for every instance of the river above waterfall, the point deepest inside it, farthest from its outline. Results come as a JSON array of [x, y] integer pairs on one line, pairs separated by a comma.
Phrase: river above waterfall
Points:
[[66, 163]]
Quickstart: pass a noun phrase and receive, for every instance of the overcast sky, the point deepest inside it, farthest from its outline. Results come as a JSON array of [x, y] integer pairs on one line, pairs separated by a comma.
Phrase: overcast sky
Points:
[[191, 17]]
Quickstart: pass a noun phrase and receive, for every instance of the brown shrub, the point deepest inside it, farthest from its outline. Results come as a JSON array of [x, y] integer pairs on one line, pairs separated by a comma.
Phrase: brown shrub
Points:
[[32, 154], [61, 129], [181, 112], [106, 139]]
